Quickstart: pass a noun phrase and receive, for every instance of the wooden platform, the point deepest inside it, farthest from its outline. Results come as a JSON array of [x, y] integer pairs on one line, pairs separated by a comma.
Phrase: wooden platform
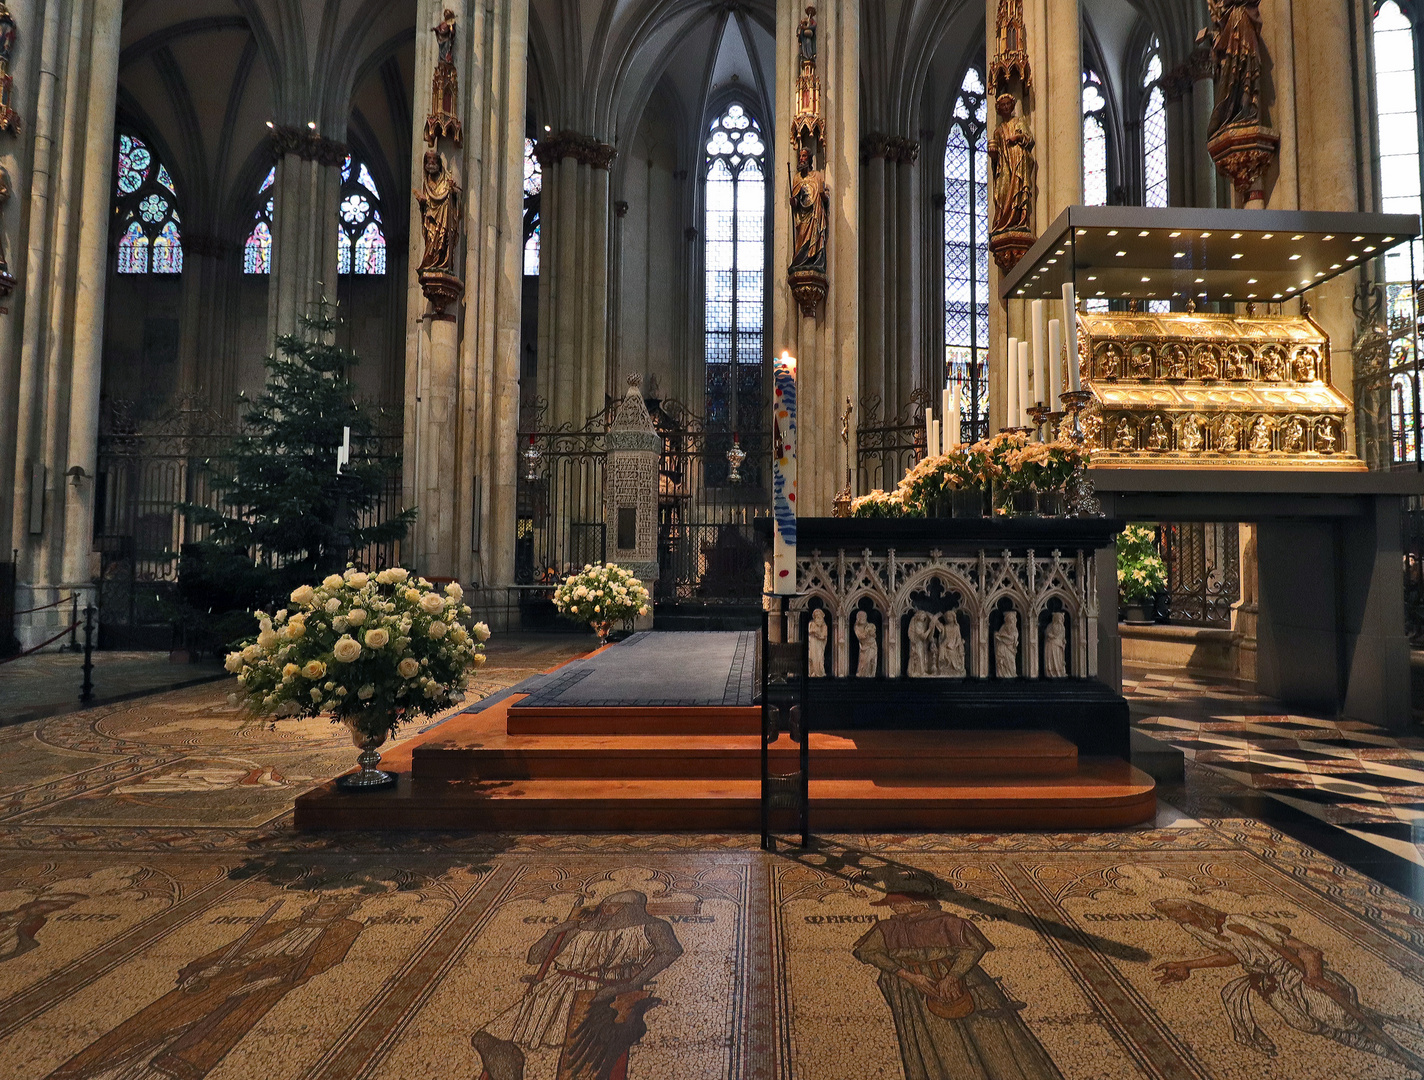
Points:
[[689, 769]]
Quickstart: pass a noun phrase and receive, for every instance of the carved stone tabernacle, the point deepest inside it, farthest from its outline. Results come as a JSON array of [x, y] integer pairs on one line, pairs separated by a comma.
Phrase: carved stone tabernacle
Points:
[[443, 120]]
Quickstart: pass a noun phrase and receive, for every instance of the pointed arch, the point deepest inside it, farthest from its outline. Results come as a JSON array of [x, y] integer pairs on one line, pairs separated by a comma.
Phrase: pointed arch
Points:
[[146, 208]]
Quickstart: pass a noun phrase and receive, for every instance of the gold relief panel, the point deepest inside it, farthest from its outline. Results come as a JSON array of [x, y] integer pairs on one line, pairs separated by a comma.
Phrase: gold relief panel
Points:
[[1210, 390]]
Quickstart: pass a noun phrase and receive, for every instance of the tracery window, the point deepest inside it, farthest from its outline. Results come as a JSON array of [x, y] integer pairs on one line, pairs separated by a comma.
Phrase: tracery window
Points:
[[735, 251], [146, 205], [966, 254], [1095, 141], [1396, 95], [533, 185], [361, 243], [1154, 131], [257, 251]]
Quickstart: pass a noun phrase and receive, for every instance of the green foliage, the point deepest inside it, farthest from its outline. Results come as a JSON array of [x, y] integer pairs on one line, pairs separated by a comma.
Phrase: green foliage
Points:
[[284, 515], [1141, 573]]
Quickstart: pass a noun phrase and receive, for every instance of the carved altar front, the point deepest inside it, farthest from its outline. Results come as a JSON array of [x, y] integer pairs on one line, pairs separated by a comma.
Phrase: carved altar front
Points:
[[1211, 391]]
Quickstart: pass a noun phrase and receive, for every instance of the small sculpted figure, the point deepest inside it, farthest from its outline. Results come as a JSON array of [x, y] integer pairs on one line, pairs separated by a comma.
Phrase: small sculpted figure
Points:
[[1006, 647], [816, 633], [869, 647], [951, 647], [1055, 647], [921, 630]]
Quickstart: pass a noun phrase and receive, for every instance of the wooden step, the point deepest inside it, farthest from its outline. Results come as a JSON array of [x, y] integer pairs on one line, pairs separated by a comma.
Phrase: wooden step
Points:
[[1104, 793], [636, 720], [484, 752]]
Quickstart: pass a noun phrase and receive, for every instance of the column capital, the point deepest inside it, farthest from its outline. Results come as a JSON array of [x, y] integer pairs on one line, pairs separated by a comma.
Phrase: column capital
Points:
[[1177, 83], [307, 145], [584, 149]]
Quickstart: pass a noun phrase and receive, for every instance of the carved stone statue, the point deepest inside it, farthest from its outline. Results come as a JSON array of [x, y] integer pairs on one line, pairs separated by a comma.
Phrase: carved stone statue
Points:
[[1261, 436], [1237, 55], [1158, 437], [1014, 170], [1325, 435], [816, 633], [951, 647], [869, 661], [1191, 437], [1126, 440], [1228, 435], [1293, 439], [1006, 647], [921, 632], [806, 38], [443, 118], [439, 199], [1055, 647], [810, 210], [1209, 362]]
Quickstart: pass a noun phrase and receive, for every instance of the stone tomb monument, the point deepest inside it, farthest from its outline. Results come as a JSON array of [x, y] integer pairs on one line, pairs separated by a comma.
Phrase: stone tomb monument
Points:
[[630, 497]]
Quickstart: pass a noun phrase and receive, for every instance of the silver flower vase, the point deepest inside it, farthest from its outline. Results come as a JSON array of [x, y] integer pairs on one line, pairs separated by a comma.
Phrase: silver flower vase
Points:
[[367, 735]]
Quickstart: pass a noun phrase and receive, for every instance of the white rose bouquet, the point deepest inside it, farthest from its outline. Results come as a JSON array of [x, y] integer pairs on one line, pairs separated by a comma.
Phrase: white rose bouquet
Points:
[[371, 650], [601, 595]]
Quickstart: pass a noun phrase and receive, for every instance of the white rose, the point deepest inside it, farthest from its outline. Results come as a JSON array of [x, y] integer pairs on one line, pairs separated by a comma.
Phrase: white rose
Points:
[[347, 649], [437, 630], [333, 606], [251, 654], [479, 659], [267, 639], [339, 624], [454, 591], [303, 596], [331, 581], [356, 617], [356, 579], [366, 692], [315, 696], [264, 623], [314, 670], [431, 604], [377, 638], [412, 596], [481, 631], [408, 668], [398, 573], [233, 663]]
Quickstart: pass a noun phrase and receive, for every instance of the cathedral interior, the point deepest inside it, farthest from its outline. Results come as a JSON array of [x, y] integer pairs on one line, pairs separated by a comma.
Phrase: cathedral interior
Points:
[[973, 444]]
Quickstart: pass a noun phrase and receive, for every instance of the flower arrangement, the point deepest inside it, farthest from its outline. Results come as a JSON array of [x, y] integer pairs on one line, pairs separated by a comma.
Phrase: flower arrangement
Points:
[[370, 649], [1042, 466], [600, 595], [881, 504], [1141, 574]]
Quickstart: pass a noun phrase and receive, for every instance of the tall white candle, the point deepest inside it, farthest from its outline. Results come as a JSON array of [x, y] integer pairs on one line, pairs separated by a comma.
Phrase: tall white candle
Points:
[[1011, 381], [946, 426], [1040, 369], [1055, 364], [929, 432], [934, 443], [954, 410], [1023, 420], [1070, 336]]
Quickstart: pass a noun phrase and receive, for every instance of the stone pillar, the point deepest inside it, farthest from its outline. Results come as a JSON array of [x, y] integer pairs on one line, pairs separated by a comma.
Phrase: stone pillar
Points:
[[573, 276], [1205, 180], [826, 343], [307, 194], [61, 160], [462, 362], [890, 285]]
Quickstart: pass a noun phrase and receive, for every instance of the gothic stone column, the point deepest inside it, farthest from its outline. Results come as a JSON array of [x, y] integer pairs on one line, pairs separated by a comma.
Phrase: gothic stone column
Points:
[[890, 286], [307, 193]]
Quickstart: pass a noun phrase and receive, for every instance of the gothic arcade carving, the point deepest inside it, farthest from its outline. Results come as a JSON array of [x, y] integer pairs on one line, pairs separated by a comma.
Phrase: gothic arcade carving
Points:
[[810, 195], [1011, 158]]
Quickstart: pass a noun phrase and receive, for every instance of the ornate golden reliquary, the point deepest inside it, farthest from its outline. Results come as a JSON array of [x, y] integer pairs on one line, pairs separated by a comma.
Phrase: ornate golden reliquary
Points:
[[1206, 390]]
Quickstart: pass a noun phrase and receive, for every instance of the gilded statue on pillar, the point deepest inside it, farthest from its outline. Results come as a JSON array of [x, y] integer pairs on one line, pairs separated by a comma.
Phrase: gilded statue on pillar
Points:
[[9, 118], [7, 279], [1239, 136], [442, 121], [1015, 175], [439, 199], [810, 195]]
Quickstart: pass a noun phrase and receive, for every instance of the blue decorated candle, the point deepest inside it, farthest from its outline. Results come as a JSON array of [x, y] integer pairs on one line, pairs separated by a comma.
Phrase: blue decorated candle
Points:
[[783, 476]]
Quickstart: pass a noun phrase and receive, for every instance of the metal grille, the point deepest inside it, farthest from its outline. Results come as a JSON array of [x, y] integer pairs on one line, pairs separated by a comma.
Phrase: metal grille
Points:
[[1203, 571], [966, 250], [1414, 569], [559, 499]]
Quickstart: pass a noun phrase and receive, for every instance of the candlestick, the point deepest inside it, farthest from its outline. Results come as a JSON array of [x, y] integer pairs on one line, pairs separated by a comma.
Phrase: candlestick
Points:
[[1055, 361], [1022, 419], [1070, 337]]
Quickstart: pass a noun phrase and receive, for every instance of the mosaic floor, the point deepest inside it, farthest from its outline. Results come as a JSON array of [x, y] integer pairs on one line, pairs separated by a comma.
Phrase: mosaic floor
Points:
[[159, 919]]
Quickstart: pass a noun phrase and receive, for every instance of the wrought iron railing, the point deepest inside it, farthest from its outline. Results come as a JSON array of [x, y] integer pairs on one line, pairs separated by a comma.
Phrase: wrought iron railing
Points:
[[1203, 571]]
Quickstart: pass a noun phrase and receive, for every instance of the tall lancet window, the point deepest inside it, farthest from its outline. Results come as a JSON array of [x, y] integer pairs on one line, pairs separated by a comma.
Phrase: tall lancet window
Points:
[[361, 243], [1095, 141], [966, 254], [257, 250], [146, 206], [533, 185], [1396, 95], [1154, 131], [735, 196]]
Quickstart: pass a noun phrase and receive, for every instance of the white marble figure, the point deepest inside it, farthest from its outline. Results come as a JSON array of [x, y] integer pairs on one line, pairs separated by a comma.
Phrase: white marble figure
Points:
[[951, 647], [869, 647], [1055, 647], [816, 634], [1006, 647], [922, 628]]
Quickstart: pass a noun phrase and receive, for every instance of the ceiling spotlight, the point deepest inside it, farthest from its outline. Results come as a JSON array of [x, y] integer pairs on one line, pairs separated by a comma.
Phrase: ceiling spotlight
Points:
[[1277, 296], [1252, 281], [1147, 279], [1237, 255], [1180, 255], [1058, 252], [1268, 236], [1250, 296], [1328, 236], [1092, 277], [1370, 248], [1301, 236], [1334, 266], [1112, 232], [1201, 280], [1389, 239], [1144, 232], [1052, 261], [1357, 239], [1236, 236], [1294, 258], [1120, 254], [270, 124], [1175, 234], [1101, 293], [1226, 294], [1205, 235], [548, 128], [1351, 258]]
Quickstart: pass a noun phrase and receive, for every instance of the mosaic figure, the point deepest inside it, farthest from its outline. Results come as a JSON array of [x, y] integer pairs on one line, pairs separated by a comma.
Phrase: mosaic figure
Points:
[[20, 926], [869, 647], [816, 633], [951, 647], [1158, 438], [1261, 436], [584, 1007], [1228, 434], [1006, 647], [1292, 978], [953, 1021], [921, 632], [1325, 435], [1055, 647], [220, 997]]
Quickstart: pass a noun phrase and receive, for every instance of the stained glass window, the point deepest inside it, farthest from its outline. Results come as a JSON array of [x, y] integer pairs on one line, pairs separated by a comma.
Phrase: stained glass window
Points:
[[735, 251], [966, 254], [1154, 132], [361, 242], [533, 186], [1397, 102], [1095, 141], [145, 204], [257, 251]]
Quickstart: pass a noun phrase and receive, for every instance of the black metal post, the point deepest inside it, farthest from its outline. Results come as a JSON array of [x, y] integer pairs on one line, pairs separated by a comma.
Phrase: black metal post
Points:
[[86, 692], [73, 645]]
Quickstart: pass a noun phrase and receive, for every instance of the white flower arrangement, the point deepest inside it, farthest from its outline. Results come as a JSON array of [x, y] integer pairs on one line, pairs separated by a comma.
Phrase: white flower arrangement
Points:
[[369, 649], [601, 593]]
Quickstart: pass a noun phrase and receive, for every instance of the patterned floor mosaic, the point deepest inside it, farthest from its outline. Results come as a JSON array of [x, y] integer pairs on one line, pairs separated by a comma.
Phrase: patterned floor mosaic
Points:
[[159, 919]]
